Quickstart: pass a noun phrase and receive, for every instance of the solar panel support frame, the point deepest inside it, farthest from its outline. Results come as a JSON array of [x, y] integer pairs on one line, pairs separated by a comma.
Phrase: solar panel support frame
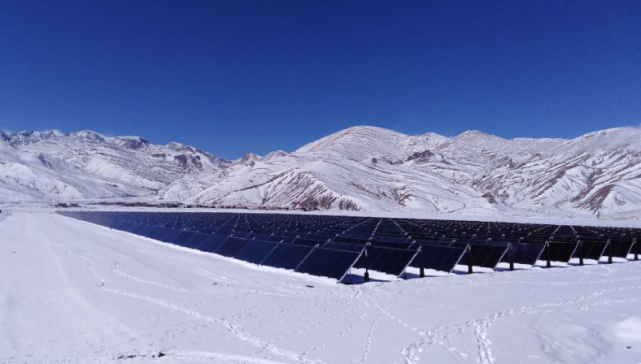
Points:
[[350, 268], [459, 259], [539, 257], [634, 243], [422, 268], [602, 252], [366, 275], [509, 246], [499, 260], [580, 249], [409, 261], [548, 255]]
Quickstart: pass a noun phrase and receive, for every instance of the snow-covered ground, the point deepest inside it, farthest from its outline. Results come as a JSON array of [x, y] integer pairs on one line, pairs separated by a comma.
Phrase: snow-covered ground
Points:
[[72, 292]]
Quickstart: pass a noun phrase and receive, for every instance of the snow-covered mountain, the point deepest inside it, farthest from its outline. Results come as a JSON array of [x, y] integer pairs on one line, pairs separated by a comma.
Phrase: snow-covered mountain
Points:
[[366, 168], [86, 165]]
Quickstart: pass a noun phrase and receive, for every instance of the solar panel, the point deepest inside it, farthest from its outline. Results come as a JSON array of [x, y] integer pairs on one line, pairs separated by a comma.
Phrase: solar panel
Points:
[[256, 251], [170, 235], [137, 229], [348, 240], [621, 248], [287, 241], [287, 256], [395, 262], [345, 246], [182, 238], [306, 242], [434, 257], [450, 259], [195, 240], [212, 243], [277, 238], [494, 256], [559, 252], [158, 232], [116, 225], [372, 256], [391, 245], [232, 246], [487, 256], [590, 249], [438, 258], [328, 263], [240, 234], [523, 253]]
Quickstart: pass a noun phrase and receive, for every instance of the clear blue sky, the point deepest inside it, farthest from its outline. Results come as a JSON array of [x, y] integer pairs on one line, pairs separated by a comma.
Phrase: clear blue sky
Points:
[[236, 76]]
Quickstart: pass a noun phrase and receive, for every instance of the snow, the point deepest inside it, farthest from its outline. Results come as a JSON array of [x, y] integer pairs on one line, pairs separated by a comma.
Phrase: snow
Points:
[[73, 292], [629, 330]]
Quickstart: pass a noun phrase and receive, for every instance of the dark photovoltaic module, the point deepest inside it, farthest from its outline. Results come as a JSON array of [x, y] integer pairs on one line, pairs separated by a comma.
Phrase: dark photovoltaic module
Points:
[[330, 246]]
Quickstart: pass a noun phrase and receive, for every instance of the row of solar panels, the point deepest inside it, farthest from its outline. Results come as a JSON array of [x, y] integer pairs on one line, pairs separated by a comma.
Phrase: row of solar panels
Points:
[[380, 253], [322, 258], [326, 262], [398, 225], [380, 229]]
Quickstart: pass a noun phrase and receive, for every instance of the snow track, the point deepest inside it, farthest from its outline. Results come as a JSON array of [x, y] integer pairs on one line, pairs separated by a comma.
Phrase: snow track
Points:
[[72, 292]]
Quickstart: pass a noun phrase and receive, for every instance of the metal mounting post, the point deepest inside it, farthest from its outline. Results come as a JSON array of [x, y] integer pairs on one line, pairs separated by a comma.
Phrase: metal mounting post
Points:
[[548, 255], [580, 252], [511, 257], [422, 273], [366, 277]]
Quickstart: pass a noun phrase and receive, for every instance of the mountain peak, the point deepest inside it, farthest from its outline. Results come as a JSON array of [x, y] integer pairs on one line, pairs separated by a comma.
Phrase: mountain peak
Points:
[[365, 128], [477, 134], [131, 142], [42, 134], [249, 157], [88, 134], [274, 154], [174, 145], [29, 136], [354, 138]]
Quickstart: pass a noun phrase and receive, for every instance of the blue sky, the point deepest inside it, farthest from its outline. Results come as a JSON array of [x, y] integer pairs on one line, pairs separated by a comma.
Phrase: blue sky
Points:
[[236, 76]]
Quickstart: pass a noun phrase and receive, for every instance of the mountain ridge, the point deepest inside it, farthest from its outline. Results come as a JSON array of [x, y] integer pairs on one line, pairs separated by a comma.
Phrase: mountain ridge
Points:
[[362, 167]]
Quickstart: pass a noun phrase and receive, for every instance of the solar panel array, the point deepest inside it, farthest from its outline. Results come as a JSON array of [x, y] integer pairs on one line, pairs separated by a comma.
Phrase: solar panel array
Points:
[[330, 246]]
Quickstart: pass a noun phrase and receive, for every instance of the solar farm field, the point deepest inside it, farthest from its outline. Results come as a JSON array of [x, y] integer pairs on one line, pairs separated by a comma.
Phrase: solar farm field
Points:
[[237, 288], [332, 246]]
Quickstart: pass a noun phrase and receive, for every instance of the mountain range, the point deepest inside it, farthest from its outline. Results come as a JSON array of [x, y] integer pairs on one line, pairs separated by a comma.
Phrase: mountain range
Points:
[[360, 168]]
